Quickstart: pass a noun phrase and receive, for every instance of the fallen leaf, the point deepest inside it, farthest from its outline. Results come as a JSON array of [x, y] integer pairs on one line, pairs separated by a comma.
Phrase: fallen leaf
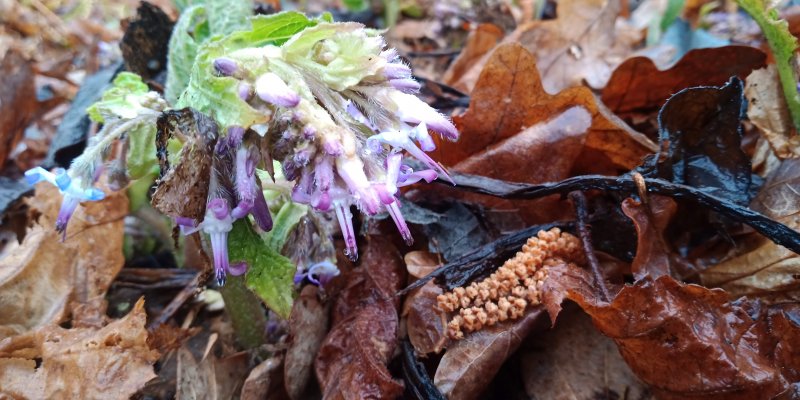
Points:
[[764, 268], [425, 325], [462, 74], [144, 45], [112, 362], [471, 363], [640, 85], [509, 97], [580, 44], [574, 361], [351, 364], [308, 324], [654, 255], [18, 103], [767, 110], [263, 381], [211, 378], [687, 341]]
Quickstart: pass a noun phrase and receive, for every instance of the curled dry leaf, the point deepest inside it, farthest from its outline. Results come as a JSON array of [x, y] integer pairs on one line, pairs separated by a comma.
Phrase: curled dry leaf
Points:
[[351, 364], [425, 325], [17, 104], [509, 97], [767, 110], [654, 255], [764, 268], [640, 85], [687, 341], [112, 362], [471, 363], [308, 324], [575, 361]]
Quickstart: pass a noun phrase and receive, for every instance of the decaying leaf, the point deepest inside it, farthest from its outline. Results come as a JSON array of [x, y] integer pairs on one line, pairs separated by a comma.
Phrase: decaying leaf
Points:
[[210, 378], [509, 97], [17, 104], [471, 363], [640, 85], [687, 341], [426, 327], [462, 72], [764, 268], [263, 381], [308, 324], [112, 362], [352, 360], [766, 109], [574, 361]]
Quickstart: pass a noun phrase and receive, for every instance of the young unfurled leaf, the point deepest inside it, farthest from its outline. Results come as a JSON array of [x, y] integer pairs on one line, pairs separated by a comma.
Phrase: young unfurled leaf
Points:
[[783, 45], [189, 33], [226, 16], [123, 100], [269, 274]]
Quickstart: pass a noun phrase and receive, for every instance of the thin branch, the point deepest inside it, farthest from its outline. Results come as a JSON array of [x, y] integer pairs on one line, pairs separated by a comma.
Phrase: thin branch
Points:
[[579, 202]]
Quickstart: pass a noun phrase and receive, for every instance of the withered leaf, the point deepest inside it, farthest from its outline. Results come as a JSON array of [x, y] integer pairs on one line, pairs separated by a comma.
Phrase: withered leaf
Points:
[[80, 363], [687, 341], [425, 325], [17, 103], [264, 381], [701, 133], [210, 378], [509, 97], [471, 363], [462, 72], [183, 188], [144, 45], [575, 361], [351, 364], [767, 110], [308, 324], [764, 268], [638, 84]]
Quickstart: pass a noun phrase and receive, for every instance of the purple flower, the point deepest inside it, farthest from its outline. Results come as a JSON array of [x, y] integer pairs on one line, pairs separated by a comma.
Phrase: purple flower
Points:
[[216, 224], [225, 66], [72, 190], [406, 85], [319, 274], [272, 89]]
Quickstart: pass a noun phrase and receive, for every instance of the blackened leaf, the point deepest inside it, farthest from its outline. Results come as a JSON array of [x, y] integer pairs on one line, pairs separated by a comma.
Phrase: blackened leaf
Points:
[[701, 141], [144, 45], [458, 232]]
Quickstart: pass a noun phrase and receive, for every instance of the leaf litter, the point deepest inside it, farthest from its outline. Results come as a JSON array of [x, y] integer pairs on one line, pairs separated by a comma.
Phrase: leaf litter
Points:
[[696, 243]]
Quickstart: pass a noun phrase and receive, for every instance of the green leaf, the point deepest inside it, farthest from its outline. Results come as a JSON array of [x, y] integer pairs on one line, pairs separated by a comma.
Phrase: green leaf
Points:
[[269, 274], [141, 156], [122, 99], [218, 96], [288, 217], [355, 5], [783, 45], [227, 16], [189, 33]]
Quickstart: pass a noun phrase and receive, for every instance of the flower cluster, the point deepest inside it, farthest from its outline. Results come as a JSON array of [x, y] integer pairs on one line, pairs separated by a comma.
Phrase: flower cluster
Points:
[[508, 291], [343, 115]]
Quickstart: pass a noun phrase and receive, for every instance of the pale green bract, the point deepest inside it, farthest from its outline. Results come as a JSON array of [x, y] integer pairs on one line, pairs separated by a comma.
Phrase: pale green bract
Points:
[[123, 100]]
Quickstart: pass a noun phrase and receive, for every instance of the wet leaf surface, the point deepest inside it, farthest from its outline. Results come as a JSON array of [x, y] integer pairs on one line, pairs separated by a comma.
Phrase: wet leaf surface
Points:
[[308, 325], [638, 84], [425, 325], [352, 360]]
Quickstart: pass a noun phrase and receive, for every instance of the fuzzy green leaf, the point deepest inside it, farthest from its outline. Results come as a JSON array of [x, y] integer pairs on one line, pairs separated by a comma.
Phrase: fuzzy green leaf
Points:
[[122, 100], [189, 33], [218, 96], [226, 16], [783, 45], [141, 157], [269, 274]]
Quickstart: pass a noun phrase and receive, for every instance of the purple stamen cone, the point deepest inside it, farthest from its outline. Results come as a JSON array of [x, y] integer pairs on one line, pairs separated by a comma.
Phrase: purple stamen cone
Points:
[[225, 66], [346, 224], [272, 89], [68, 206], [217, 223], [397, 216]]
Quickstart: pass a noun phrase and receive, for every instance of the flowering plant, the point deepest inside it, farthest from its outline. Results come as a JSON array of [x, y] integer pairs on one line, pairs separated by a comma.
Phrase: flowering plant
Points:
[[328, 102]]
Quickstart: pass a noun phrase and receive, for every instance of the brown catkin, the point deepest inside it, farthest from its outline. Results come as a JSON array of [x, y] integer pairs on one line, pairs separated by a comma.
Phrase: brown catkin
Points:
[[506, 293]]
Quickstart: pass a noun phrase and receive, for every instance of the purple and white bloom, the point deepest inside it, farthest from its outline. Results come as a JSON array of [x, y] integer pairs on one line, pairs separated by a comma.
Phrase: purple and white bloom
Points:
[[272, 89], [217, 222], [226, 66], [319, 274], [70, 187]]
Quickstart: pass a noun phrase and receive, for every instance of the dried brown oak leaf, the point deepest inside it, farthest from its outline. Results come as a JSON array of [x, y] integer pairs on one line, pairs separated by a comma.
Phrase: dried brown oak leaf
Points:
[[463, 71], [308, 324], [351, 364], [112, 362], [767, 110], [509, 98], [763, 268], [638, 84], [47, 279], [687, 341]]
